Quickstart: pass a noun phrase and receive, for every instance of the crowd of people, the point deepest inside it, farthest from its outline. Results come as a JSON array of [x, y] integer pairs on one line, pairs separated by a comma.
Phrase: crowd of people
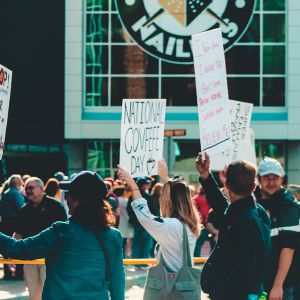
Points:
[[85, 225]]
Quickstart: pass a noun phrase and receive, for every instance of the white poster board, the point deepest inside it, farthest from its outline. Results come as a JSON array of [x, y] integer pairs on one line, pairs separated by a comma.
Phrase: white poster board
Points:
[[142, 135], [242, 143], [5, 88], [212, 92]]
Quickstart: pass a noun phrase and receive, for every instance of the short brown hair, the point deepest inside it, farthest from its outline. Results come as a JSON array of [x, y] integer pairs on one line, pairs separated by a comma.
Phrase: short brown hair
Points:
[[240, 177]]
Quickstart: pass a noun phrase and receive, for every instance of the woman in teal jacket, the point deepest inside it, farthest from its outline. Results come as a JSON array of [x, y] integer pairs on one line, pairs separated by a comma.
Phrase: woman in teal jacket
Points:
[[83, 255]]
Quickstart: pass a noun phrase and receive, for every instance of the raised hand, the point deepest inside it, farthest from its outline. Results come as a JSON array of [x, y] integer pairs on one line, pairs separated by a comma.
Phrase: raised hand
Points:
[[125, 176], [162, 170], [202, 166], [222, 175]]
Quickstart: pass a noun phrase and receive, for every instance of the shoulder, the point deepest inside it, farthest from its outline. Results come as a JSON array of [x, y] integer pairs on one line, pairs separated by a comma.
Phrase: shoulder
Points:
[[248, 223], [53, 202], [113, 235]]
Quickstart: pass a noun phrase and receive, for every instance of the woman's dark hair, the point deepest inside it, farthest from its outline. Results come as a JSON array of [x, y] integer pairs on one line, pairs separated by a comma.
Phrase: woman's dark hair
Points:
[[51, 187], [94, 213]]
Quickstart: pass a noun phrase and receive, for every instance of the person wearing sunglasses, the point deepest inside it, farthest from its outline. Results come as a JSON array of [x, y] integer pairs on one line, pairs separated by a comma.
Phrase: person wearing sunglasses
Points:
[[39, 213], [83, 255]]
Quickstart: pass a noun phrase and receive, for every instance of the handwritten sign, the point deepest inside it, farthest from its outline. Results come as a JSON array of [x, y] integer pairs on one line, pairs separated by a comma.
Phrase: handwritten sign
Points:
[[142, 135], [5, 88], [242, 147], [212, 92]]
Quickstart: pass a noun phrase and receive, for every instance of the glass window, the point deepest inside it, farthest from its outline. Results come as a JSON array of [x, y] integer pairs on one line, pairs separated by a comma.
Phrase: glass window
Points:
[[244, 89], [132, 88], [97, 5], [132, 60], [103, 156], [272, 149], [96, 59], [274, 28], [254, 64], [96, 88], [118, 34], [274, 60], [252, 33], [96, 28], [274, 4], [273, 91], [168, 68], [243, 60], [179, 91]]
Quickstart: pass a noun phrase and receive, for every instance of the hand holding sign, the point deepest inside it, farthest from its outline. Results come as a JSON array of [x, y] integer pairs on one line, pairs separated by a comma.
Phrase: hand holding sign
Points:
[[203, 165], [142, 134]]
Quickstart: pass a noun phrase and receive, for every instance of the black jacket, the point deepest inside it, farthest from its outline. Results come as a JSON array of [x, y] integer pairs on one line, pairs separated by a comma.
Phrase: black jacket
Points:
[[285, 233], [237, 265]]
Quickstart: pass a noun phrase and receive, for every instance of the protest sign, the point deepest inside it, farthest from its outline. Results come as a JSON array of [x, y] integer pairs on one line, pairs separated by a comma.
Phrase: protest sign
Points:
[[212, 92], [242, 145], [5, 88], [142, 135]]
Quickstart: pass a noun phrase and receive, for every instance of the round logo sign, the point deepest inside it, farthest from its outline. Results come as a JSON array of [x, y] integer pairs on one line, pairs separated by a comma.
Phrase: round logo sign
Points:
[[163, 28]]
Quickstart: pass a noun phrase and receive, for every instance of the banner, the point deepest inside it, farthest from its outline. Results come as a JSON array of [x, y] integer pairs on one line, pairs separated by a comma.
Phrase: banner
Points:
[[142, 135], [242, 138], [5, 88], [212, 92]]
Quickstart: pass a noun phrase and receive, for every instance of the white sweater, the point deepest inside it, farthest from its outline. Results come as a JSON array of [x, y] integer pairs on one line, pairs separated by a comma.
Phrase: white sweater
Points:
[[168, 232]]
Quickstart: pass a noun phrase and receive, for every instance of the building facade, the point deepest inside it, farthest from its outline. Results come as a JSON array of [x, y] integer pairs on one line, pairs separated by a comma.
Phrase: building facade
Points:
[[140, 49]]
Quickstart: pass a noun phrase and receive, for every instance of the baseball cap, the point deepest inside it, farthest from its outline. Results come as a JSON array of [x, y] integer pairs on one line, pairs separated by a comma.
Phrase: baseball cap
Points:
[[140, 181], [60, 176], [84, 184], [270, 166]]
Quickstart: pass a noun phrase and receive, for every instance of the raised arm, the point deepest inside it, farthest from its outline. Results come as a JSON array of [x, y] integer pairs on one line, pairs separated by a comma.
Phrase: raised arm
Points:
[[34, 247], [212, 192], [124, 176], [163, 170]]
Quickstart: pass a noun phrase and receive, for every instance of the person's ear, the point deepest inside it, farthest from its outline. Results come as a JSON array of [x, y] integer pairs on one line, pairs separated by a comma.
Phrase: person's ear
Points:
[[253, 187]]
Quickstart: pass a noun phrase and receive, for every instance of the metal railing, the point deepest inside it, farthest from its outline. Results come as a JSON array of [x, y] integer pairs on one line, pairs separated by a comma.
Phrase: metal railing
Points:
[[126, 261]]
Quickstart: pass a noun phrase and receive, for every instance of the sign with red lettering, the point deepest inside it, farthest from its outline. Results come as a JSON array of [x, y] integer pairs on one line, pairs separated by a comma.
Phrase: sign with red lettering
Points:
[[242, 141], [212, 92], [142, 135], [5, 88]]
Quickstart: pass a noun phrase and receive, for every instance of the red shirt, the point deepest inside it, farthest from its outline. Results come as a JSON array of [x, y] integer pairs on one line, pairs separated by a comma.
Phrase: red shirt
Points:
[[202, 206]]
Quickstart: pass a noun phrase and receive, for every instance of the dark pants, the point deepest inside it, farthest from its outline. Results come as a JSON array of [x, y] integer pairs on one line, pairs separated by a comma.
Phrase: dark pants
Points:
[[141, 243], [200, 241]]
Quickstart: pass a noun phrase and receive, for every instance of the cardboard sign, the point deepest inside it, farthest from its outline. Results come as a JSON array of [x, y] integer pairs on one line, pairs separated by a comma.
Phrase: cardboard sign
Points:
[[242, 143], [142, 135], [212, 92], [5, 88]]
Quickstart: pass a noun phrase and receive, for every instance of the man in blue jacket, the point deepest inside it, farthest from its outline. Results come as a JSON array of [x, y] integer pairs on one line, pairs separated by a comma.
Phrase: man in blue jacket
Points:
[[283, 270], [237, 265]]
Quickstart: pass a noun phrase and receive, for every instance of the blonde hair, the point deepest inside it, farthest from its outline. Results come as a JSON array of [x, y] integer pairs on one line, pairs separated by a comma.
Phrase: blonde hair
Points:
[[176, 202]]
